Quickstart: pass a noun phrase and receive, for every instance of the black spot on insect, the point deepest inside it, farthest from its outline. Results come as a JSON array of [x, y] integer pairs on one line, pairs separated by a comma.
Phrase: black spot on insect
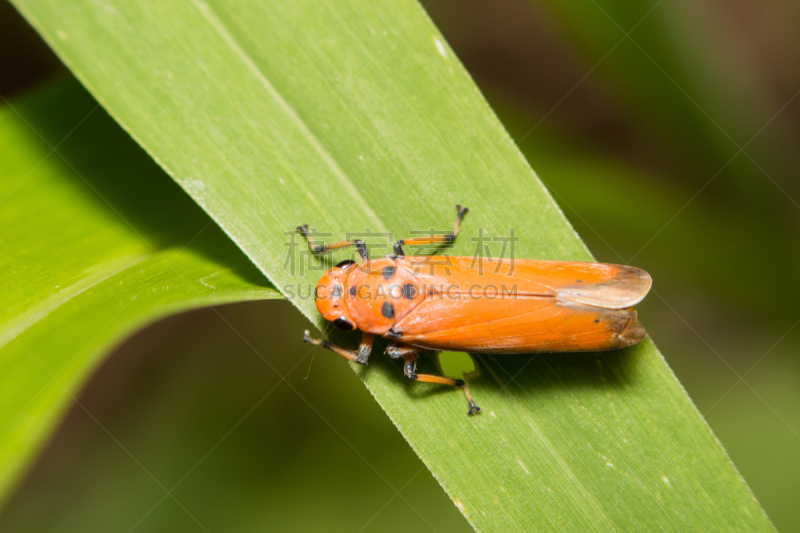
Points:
[[387, 310], [578, 281], [346, 262], [596, 320], [388, 272], [409, 291], [336, 291], [343, 324], [353, 291]]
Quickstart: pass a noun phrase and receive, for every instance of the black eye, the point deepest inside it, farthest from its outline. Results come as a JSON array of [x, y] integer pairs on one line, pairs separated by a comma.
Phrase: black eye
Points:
[[343, 324], [345, 263]]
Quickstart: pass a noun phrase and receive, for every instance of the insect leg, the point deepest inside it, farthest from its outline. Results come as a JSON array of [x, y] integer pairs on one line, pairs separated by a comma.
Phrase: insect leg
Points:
[[360, 245], [360, 357], [365, 349], [397, 350], [447, 238], [411, 354]]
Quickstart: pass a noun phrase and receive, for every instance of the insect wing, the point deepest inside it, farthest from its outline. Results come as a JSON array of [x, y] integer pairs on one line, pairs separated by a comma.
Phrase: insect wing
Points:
[[493, 306], [594, 284]]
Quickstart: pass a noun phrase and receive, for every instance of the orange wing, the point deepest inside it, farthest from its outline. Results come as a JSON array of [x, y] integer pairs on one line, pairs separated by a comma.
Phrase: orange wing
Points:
[[504, 306]]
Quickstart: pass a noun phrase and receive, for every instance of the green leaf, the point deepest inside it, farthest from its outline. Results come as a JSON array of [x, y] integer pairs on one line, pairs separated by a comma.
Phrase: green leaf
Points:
[[97, 242], [350, 115]]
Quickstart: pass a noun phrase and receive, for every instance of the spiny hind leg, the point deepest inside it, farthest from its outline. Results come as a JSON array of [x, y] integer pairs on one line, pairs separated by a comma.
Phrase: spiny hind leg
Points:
[[360, 357], [432, 239], [410, 354], [317, 249]]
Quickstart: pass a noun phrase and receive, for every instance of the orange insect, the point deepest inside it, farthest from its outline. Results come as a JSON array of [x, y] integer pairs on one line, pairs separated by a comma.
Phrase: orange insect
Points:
[[476, 305]]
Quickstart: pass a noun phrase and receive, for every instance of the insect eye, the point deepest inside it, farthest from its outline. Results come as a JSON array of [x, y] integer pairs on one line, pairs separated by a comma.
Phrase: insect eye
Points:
[[343, 324], [345, 263]]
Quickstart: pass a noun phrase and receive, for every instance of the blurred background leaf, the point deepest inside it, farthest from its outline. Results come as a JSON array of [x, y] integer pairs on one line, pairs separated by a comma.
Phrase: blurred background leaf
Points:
[[192, 400], [600, 143], [97, 243]]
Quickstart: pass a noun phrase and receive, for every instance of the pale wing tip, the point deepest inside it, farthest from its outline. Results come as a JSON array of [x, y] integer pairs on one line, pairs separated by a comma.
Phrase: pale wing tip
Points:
[[634, 282], [627, 288]]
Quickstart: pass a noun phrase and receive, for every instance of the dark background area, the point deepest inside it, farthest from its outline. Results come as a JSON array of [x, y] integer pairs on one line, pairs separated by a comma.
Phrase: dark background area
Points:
[[672, 147]]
